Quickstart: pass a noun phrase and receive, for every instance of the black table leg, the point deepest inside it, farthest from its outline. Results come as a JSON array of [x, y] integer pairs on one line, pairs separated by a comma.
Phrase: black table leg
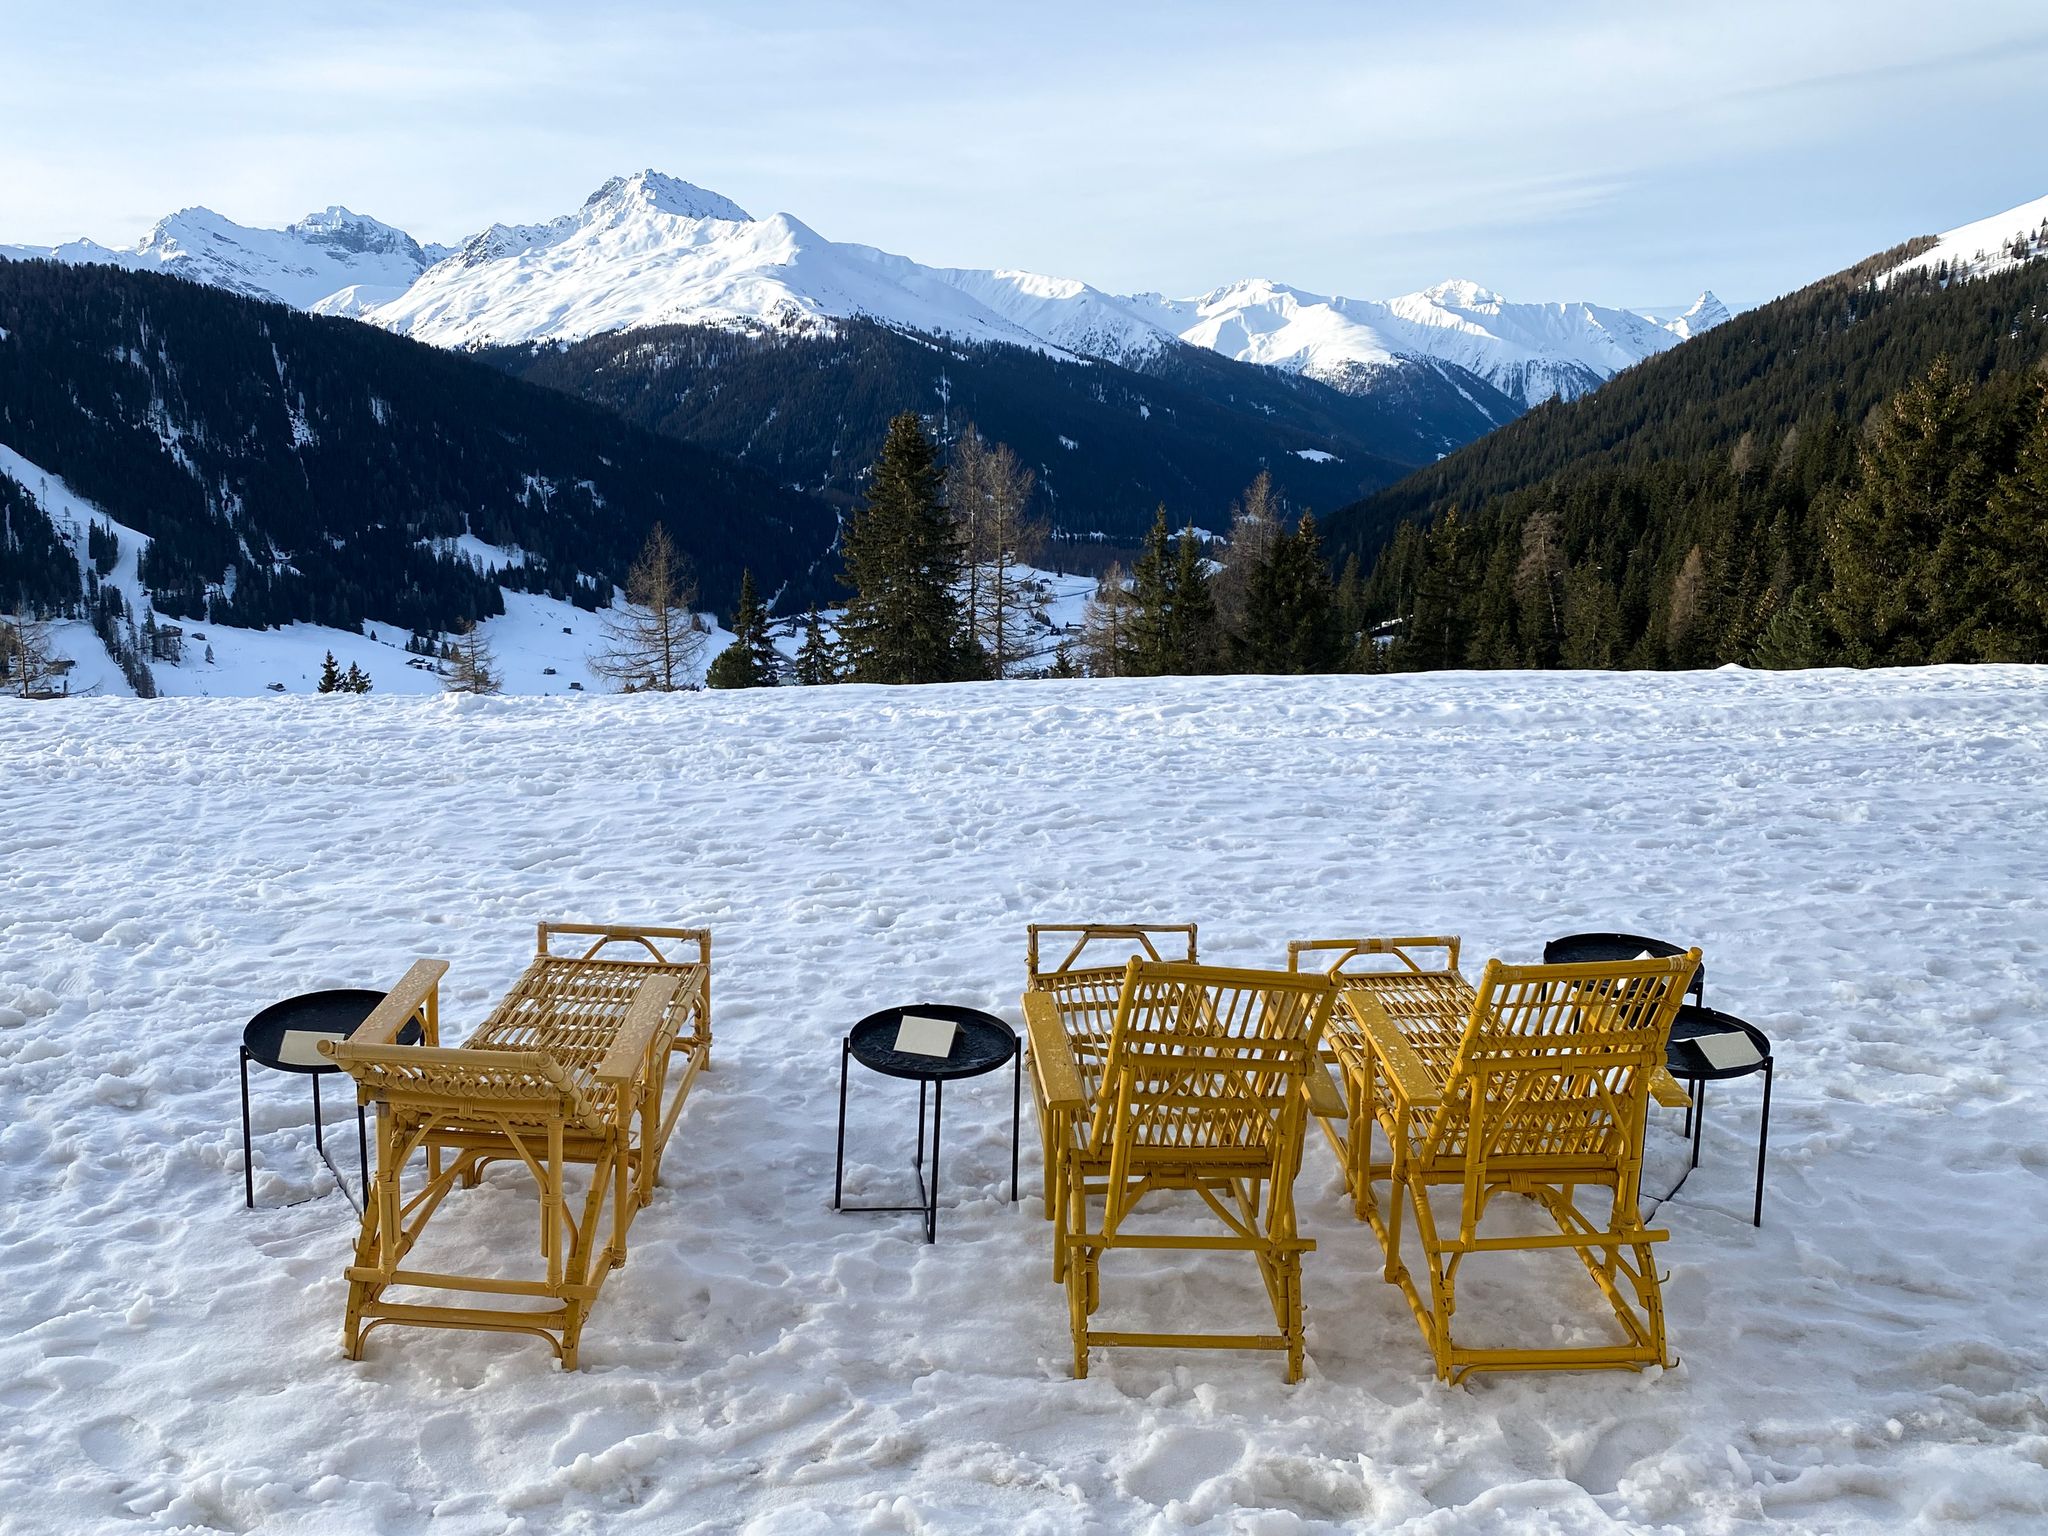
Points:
[[1763, 1137], [248, 1163], [839, 1162], [1699, 1116], [1016, 1108], [931, 1221]]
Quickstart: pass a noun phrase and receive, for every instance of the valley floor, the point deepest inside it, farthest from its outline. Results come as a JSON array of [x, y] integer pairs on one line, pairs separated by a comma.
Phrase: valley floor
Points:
[[1863, 857]]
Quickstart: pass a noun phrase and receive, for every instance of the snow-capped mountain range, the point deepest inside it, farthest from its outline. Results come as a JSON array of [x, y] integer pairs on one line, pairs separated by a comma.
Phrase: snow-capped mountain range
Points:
[[649, 249], [333, 258]]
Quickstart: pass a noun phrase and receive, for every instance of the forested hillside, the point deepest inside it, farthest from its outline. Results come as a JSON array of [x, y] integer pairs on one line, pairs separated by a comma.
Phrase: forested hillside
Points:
[[1855, 473], [288, 467], [1108, 444]]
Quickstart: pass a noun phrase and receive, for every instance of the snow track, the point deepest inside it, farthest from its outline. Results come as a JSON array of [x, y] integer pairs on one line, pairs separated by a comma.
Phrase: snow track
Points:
[[1862, 856]]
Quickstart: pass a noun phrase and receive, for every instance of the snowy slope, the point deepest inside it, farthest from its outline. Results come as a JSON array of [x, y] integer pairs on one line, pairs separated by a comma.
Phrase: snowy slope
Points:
[[1989, 245], [1858, 854], [334, 260], [542, 645]]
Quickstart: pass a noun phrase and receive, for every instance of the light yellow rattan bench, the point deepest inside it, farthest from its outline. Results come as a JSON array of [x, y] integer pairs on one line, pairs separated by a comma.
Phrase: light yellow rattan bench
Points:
[[586, 1062]]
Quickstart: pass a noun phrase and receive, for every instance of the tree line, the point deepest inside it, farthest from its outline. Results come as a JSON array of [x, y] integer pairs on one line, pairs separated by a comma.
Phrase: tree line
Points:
[[1918, 535]]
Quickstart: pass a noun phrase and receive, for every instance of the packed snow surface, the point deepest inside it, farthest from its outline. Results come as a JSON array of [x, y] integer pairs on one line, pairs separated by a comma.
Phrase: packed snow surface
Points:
[[1861, 856]]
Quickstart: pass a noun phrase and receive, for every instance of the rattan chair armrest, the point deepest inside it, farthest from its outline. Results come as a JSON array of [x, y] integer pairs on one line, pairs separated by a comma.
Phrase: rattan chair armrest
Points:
[[1667, 1090], [629, 1048], [1406, 1071], [399, 1005], [1052, 1055], [1324, 1098]]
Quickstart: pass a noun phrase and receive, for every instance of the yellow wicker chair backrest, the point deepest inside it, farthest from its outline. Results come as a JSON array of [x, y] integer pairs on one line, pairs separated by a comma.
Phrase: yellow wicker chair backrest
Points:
[[1556, 1060], [1207, 1062]]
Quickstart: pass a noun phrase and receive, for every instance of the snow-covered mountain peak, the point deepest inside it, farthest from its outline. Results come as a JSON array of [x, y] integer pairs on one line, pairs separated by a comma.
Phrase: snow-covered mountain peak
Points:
[[340, 229], [654, 192], [1461, 293], [1706, 313]]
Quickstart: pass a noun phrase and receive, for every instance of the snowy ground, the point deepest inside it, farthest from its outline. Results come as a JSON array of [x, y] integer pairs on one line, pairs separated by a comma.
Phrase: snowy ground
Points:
[[1862, 858]]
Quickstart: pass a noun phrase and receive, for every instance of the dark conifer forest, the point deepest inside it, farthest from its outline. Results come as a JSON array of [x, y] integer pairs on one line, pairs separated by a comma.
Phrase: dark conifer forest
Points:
[[292, 467], [1853, 474]]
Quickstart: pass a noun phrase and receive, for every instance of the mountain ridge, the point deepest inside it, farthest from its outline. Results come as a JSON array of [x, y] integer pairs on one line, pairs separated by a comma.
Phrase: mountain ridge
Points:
[[651, 249]]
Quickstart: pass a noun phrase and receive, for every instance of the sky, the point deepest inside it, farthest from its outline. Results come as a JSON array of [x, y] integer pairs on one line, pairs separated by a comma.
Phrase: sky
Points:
[[1628, 154]]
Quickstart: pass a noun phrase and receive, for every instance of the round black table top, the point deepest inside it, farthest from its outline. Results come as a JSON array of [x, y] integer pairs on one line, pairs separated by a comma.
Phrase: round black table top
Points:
[[335, 1012], [982, 1043], [1692, 1021]]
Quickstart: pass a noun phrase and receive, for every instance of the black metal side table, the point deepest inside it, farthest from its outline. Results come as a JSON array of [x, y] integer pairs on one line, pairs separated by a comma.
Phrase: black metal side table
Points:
[[334, 1013], [1689, 1064], [981, 1043]]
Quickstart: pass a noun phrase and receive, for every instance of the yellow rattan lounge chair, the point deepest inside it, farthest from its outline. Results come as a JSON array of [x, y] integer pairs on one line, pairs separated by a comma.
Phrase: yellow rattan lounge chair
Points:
[[1536, 1082], [1200, 1085], [586, 1061]]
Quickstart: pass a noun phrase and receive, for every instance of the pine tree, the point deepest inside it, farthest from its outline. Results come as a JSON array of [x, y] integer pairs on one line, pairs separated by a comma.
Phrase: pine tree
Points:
[[750, 661], [1173, 624], [1791, 636], [654, 643], [1198, 630], [1254, 530], [28, 659], [902, 623], [355, 680], [998, 536], [1152, 605], [816, 661], [1900, 541], [472, 667], [330, 675], [2013, 546], [1290, 621], [1106, 645], [1592, 621]]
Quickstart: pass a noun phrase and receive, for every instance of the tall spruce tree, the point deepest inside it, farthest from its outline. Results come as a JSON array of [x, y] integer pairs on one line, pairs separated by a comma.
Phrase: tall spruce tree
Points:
[[817, 659], [1152, 605], [1198, 630], [902, 556], [330, 676], [750, 660], [1290, 622], [1173, 628]]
